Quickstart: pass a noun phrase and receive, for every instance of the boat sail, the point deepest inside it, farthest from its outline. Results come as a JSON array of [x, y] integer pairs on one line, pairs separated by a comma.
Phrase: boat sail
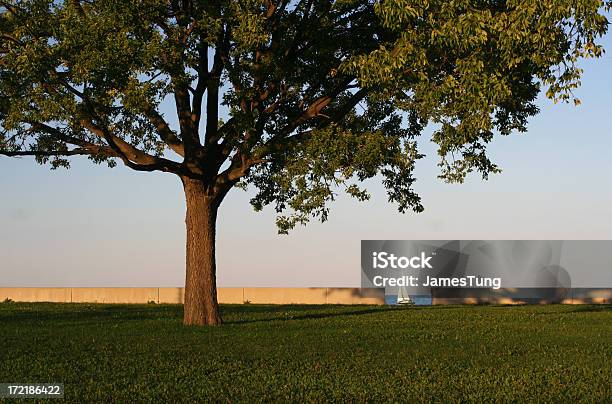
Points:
[[403, 297]]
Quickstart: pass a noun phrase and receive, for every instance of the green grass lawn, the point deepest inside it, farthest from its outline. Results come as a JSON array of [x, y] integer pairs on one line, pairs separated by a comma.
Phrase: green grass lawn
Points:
[[135, 353]]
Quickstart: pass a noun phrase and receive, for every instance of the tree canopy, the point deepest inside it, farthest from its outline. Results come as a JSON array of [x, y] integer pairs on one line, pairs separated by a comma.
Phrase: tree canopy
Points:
[[317, 95]]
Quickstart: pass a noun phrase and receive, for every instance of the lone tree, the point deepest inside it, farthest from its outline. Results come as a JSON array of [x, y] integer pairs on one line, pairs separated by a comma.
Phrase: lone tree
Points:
[[297, 99]]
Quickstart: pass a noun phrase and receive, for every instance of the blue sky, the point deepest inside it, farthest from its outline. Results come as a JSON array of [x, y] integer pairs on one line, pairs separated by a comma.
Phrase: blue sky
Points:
[[95, 226]]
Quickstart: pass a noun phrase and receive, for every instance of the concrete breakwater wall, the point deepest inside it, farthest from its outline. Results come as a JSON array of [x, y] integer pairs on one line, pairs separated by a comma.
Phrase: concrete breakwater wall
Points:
[[172, 295], [175, 295]]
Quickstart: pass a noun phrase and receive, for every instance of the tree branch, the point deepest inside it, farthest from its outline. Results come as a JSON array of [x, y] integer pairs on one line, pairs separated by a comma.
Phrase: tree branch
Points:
[[198, 93], [213, 84], [130, 155], [11, 7], [339, 113], [315, 108], [119, 149], [164, 130], [189, 132]]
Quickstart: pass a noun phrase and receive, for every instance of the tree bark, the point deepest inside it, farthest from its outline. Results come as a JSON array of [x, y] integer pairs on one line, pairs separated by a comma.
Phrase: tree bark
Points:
[[201, 306]]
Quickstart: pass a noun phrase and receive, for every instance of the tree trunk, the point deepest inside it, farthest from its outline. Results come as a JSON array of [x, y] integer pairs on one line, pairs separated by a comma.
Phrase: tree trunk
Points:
[[201, 306]]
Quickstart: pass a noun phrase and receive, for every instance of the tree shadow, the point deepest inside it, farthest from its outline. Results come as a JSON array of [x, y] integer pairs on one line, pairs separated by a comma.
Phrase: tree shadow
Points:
[[591, 308], [311, 314], [79, 312]]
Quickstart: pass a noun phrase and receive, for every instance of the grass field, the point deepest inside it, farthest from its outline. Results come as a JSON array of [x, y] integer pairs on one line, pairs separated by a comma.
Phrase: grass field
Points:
[[136, 353]]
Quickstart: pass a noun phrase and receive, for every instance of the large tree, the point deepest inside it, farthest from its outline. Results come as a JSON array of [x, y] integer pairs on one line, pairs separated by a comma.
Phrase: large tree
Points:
[[296, 99]]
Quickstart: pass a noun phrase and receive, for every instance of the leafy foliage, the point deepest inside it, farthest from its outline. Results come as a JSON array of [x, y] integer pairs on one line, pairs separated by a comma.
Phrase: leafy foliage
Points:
[[320, 94]]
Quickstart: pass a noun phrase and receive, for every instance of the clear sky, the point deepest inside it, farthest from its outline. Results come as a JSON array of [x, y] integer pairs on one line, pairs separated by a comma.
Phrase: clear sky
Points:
[[95, 226]]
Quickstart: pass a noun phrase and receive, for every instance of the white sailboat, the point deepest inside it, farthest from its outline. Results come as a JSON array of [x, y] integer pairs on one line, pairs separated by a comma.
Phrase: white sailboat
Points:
[[403, 297]]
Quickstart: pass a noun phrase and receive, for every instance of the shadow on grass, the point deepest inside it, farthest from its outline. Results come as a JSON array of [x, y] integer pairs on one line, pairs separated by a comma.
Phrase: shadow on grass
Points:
[[285, 313], [76, 312], [13, 313], [591, 308]]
